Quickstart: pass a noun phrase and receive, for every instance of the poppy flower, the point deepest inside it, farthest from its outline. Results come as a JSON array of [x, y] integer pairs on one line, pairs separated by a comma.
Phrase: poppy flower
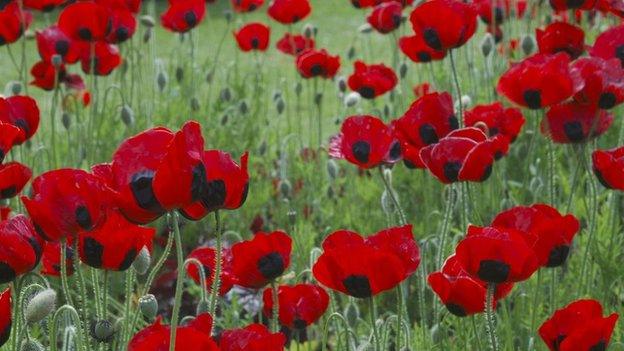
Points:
[[463, 294], [254, 337], [262, 259], [13, 178], [575, 123], [11, 26], [362, 267], [207, 257], [497, 255], [23, 113], [85, 21], [21, 248], [246, 5], [115, 244], [51, 259], [294, 44], [417, 50], [65, 202], [371, 81], [5, 213], [43, 5], [289, 11], [372, 3], [428, 119], [540, 81], [561, 37], [444, 24], [299, 305], [46, 76], [563, 5], [462, 155], [8, 134], [365, 141], [493, 12], [183, 15], [194, 336], [103, 56], [253, 36], [317, 63], [386, 17], [610, 44], [578, 326], [5, 316], [226, 188], [604, 82], [608, 167], [53, 41], [123, 23], [554, 232], [497, 119]]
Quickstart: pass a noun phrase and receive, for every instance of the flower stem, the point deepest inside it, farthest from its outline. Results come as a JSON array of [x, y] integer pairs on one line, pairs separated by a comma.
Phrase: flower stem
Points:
[[275, 312], [373, 319], [216, 280], [395, 201], [458, 88], [64, 283], [179, 282], [490, 318]]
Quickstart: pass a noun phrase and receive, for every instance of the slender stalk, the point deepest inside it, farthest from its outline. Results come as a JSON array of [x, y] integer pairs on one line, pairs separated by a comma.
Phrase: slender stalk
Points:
[[179, 282], [457, 88], [65, 285], [392, 194], [490, 318], [216, 280], [373, 320], [275, 312]]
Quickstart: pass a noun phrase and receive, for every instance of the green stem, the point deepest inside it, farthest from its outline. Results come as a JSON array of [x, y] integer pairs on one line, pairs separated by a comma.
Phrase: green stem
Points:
[[179, 283], [373, 319], [275, 317], [64, 283], [458, 88], [490, 318], [395, 201], [216, 280]]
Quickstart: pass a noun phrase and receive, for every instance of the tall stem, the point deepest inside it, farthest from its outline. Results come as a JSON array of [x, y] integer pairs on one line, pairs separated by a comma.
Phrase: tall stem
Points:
[[275, 312], [489, 316], [216, 280], [373, 320], [179, 282], [395, 201], [457, 88], [64, 283]]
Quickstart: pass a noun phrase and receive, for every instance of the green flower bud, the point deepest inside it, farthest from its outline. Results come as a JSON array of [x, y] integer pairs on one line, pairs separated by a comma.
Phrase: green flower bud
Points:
[[142, 262], [40, 306], [127, 115], [148, 306], [147, 21], [31, 345]]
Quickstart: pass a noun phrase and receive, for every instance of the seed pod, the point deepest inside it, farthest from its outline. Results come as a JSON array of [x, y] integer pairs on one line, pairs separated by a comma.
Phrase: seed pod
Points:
[[66, 120], [31, 345], [103, 331], [40, 306], [487, 44], [148, 306], [179, 74], [528, 44], [147, 21], [142, 262], [161, 80], [195, 104], [127, 116]]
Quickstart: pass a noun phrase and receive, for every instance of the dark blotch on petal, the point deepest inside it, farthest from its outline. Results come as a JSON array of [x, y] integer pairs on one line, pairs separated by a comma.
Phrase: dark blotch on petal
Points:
[[533, 99], [367, 92], [83, 218], [7, 274], [428, 134], [8, 193], [453, 122], [395, 151], [487, 172], [456, 309], [558, 256], [493, 271], [361, 151], [299, 324], [85, 34], [499, 15], [93, 252], [573, 4], [199, 182], [61, 47], [143, 193], [36, 248], [432, 39], [493, 131], [214, 195], [128, 259], [190, 18], [601, 179], [358, 286], [2, 154], [451, 170], [619, 53], [601, 346], [40, 231], [424, 56], [271, 266], [607, 101], [207, 271], [3, 3], [574, 131], [5, 334], [244, 195]]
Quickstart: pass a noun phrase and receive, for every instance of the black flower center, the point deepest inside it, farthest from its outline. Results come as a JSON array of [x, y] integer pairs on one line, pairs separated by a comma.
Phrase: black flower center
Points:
[[456, 309], [8, 193], [533, 99], [558, 255], [271, 266], [317, 70], [367, 92], [358, 286], [451, 170], [93, 252], [361, 151], [61, 47], [574, 131], [432, 39], [190, 18], [428, 134], [493, 271], [423, 56], [122, 33]]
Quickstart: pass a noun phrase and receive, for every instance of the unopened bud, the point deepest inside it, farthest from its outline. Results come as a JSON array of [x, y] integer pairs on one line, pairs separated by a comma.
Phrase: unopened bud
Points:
[[262, 148], [225, 95], [365, 28], [332, 168], [280, 105], [127, 115], [228, 15], [31, 345], [403, 70], [40, 306], [179, 74], [243, 107], [142, 262], [195, 104], [352, 99], [66, 120], [103, 331], [318, 98], [292, 217], [14, 88], [147, 35], [148, 306], [342, 84], [528, 44], [351, 53], [147, 21], [225, 119], [285, 188], [308, 30], [487, 44], [161, 80], [298, 88]]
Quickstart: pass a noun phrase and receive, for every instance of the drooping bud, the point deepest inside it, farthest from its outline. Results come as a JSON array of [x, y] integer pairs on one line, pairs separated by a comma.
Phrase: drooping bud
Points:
[[351, 53], [342, 84], [318, 98], [243, 107], [179, 74], [13, 88], [142, 262], [403, 70], [528, 44], [40, 306], [225, 95], [161, 80], [66, 120], [147, 21], [308, 30], [127, 115], [332, 168], [228, 15], [280, 105], [195, 104], [365, 28], [202, 307], [147, 35], [31, 345], [298, 88], [285, 188], [487, 44]]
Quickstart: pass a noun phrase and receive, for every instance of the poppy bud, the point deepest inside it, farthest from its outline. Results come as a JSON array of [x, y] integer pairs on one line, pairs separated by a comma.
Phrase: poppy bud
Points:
[[386, 203], [103, 331], [161, 80], [225, 95], [40, 306], [179, 74], [436, 333], [403, 70], [57, 61], [308, 30], [276, 95], [14, 88], [202, 307], [262, 148], [243, 108], [280, 105], [466, 101], [127, 115], [32, 345], [149, 306], [228, 15], [292, 217], [147, 35], [66, 120], [330, 192], [365, 28], [342, 84], [298, 88], [285, 188], [332, 168], [351, 53], [318, 99], [194, 104], [528, 44], [147, 21], [386, 110], [142, 262], [210, 77], [487, 44], [352, 99], [225, 119]]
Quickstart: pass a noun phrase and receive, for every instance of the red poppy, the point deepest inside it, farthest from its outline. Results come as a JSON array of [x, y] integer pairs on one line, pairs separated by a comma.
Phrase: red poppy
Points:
[[540, 81], [428, 119], [497, 119], [610, 44], [22, 112], [289, 11], [578, 326], [365, 141], [194, 336], [362, 267], [463, 155], [133, 6], [11, 26], [253, 36], [372, 3], [123, 23], [371, 81], [604, 82], [553, 231], [563, 5], [444, 24], [494, 12], [5, 213], [246, 5], [65, 202], [299, 305], [53, 41], [294, 44], [386, 17], [21, 248], [615, 7], [317, 63], [51, 259], [417, 50], [206, 256], [8, 134], [13, 178], [115, 244], [5, 316], [254, 337], [183, 15], [561, 37], [226, 188], [85, 21], [103, 56], [463, 294], [43, 5], [46, 76], [259, 261], [497, 255], [575, 123], [608, 167]]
